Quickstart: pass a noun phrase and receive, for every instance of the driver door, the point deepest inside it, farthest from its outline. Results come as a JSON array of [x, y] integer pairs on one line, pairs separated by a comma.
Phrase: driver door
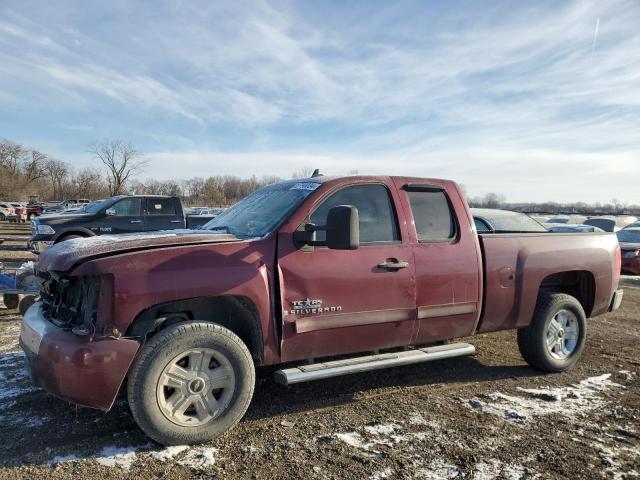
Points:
[[343, 301], [128, 217]]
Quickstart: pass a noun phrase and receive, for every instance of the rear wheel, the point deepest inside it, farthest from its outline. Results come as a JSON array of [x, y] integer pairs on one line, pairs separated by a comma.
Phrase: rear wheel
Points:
[[11, 300], [191, 383], [555, 339], [2, 217]]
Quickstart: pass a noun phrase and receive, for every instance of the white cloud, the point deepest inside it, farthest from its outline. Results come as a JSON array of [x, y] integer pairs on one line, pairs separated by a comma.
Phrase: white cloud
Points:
[[499, 96]]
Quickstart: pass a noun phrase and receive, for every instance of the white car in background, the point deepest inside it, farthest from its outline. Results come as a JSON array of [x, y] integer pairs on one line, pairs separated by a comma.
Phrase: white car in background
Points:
[[5, 210]]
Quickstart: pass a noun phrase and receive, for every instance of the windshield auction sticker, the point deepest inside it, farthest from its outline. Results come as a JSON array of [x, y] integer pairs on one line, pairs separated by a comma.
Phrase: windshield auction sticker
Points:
[[305, 186]]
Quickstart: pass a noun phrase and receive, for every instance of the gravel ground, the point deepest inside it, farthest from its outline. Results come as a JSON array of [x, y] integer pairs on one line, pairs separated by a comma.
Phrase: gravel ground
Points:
[[485, 417]]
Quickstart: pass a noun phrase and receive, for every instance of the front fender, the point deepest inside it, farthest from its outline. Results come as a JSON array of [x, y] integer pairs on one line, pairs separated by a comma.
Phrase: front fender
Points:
[[147, 278]]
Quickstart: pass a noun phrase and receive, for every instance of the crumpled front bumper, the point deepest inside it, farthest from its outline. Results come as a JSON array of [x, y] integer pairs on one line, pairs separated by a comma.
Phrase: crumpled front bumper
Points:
[[71, 367], [39, 245]]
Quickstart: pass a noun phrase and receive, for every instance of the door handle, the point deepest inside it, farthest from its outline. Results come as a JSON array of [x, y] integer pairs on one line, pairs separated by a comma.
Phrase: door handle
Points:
[[136, 221], [393, 264], [175, 221]]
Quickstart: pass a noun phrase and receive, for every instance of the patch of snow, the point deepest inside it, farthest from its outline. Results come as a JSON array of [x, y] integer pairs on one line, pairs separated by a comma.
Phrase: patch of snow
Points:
[[567, 401], [493, 469], [64, 458], [353, 439], [382, 429], [199, 457], [628, 374], [168, 453], [439, 470], [416, 418], [122, 457], [386, 473]]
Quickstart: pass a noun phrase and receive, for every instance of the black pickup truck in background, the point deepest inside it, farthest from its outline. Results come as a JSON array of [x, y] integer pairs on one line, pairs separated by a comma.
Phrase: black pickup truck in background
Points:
[[119, 214]]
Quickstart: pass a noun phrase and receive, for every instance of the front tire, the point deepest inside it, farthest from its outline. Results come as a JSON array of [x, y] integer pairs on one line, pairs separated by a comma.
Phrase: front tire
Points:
[[554, 340], [191, 383]]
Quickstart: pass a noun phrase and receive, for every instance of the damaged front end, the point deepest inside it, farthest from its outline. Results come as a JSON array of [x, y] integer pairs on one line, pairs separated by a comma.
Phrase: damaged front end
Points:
[[70, 303]]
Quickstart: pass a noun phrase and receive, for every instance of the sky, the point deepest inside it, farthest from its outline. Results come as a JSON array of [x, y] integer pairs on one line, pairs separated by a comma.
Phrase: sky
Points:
[[535, 100]]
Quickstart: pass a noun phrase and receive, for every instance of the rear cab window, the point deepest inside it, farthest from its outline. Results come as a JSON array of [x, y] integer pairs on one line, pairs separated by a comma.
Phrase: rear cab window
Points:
[[432, 214], [376, 213]]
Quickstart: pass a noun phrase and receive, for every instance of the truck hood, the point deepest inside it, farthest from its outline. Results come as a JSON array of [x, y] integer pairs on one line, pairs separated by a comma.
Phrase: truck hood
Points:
[[51, 218], [65, 255]]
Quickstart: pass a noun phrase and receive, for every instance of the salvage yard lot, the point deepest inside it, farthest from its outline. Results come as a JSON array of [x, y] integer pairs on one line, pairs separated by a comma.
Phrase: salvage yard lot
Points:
[[489, 416]]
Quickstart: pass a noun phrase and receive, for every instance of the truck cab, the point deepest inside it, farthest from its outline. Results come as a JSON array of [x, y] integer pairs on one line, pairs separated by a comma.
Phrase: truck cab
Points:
[[115, 215]]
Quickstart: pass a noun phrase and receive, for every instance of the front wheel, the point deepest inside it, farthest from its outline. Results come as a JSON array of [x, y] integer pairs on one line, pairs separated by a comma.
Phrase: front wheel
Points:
[[555, 338], [191, 383]]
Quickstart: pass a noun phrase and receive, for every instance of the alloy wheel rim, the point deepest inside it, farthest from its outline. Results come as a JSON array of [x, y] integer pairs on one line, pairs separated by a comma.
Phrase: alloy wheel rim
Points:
[[562, 335], [195, 387]]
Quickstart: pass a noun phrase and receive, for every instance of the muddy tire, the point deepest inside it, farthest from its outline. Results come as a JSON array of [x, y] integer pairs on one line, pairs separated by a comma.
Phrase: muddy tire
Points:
[[11, 300], [191, 383], [555, 339]]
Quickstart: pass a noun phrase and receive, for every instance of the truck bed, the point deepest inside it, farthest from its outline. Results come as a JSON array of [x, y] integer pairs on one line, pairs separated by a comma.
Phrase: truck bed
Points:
[[517, 266]]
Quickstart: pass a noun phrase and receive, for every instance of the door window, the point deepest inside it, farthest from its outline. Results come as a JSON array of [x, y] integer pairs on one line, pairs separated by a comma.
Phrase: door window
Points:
[[128, 207], [161, 206], [378, 221], [432, 215]]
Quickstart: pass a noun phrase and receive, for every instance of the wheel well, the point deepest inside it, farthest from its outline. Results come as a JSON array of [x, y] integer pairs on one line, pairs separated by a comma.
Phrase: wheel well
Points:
[[68, 234], [236, 313], [577, 283]]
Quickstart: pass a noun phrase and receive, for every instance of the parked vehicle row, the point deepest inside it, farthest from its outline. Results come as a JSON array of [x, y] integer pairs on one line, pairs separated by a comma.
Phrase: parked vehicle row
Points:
[[115, 215], [294, 275], [629, 239]]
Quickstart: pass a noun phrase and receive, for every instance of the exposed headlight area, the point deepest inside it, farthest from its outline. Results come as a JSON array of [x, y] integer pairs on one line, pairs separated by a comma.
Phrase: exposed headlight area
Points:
[[44, 229], [70, 302]]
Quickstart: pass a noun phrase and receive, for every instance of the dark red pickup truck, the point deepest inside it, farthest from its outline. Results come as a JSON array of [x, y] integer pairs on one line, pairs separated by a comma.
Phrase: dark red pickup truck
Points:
[[380, 271]]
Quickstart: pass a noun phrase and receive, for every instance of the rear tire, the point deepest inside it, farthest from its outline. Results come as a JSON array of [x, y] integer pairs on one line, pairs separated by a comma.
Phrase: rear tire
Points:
[[11, 300], [554, 340], [191, 383]]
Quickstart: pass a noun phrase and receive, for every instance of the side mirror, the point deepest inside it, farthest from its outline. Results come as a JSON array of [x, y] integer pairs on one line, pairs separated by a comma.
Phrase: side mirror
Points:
[[343, 228], [110, 212]]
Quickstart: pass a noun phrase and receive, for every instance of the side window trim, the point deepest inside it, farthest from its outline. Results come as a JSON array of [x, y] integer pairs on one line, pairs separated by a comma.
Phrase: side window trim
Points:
[[394, 211], [429, 187]]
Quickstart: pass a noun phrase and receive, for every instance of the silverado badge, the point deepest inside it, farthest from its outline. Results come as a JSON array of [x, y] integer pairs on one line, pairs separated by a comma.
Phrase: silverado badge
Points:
[[310, 307]]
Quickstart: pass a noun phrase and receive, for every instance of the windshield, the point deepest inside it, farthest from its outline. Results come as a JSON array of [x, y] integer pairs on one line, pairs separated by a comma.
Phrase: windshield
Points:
[[93, 207], [263, 210], [629, 236], [515, 222]]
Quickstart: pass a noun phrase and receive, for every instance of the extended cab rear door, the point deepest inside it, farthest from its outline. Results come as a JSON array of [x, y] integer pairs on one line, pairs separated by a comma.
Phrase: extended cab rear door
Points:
[[447, 259], [345, 301]]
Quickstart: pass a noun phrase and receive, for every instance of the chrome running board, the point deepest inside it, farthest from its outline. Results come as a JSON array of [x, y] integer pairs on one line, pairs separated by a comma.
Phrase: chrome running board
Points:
[[317, 371]]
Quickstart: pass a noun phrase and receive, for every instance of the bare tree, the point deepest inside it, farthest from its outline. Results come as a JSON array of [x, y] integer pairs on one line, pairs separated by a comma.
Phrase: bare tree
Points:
[[58, 173], [121, 160], [11, 155]]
